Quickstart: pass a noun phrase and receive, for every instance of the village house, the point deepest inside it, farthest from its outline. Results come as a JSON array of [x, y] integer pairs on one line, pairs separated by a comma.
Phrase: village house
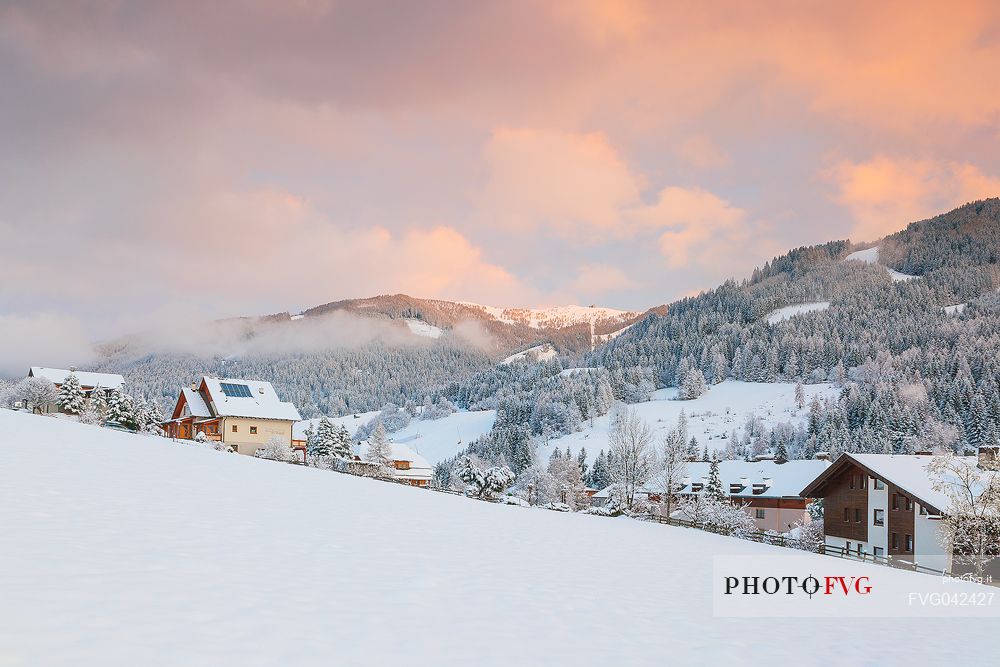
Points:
[[408, 466], [767, 489], [244, 414], [89, 382], [885, 505]]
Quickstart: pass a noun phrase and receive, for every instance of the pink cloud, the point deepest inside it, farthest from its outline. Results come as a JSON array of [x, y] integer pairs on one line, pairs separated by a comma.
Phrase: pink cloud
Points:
[[883, 194]]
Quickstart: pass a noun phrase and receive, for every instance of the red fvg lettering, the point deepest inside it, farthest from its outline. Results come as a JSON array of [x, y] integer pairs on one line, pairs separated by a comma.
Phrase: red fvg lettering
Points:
[[858, 584]]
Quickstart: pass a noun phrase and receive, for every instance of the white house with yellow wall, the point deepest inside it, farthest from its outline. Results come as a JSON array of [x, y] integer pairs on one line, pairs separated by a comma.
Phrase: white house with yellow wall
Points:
[[244, 414]]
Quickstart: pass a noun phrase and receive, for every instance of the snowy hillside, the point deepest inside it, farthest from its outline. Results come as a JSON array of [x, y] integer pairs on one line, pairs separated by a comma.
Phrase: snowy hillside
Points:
[[711, 417], [782, 314], [555, 317], [421, 328], [434, 439], [126, 550], [537, 353], [871, 256]]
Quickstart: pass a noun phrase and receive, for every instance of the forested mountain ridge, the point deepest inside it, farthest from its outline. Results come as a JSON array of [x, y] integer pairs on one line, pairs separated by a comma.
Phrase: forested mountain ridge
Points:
[[358, 354], [918, 359]]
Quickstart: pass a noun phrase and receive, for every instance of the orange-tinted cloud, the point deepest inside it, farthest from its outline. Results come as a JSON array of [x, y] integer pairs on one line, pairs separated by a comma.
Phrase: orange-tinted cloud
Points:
[[572, 184], [531, 150], [885, 194]]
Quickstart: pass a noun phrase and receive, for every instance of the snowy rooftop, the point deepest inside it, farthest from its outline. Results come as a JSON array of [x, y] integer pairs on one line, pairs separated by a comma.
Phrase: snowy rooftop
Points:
[[401, 452], [87, 379], [908, 472], [195, 403], [248, 398], [777, 480]]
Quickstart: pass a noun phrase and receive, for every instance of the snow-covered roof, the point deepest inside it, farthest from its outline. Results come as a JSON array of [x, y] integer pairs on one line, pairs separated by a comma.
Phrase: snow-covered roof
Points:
[[231, 397], [419, 467], [777, 480], [906, 471], [195, 403], [909, 473], [86, 378]]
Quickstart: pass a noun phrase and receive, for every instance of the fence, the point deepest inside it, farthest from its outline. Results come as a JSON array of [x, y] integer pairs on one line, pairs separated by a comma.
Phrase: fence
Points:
[[780, 540], [776, 539]]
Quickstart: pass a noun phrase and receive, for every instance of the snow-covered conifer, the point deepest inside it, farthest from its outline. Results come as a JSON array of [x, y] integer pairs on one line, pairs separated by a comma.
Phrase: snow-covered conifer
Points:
[[71, 397], [713, 485]]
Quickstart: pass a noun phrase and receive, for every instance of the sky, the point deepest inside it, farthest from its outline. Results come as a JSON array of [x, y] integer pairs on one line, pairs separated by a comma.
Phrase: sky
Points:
[[184, 160]]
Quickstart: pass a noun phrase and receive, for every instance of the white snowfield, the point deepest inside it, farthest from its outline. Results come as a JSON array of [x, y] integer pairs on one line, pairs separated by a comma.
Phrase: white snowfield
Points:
[[556, 316], [711, 417], [870, 256], [434, 439], [543, 352], [421, 328], [128, 550], [782, 314], [956, 309]]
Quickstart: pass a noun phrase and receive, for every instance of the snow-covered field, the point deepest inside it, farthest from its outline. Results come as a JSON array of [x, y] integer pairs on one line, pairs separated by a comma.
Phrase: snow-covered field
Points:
[[556, 316], [956, 309], [782, 314], [870, 256], [421, 328], [711, 416], [434, 439], [128, 550], [543, 352]]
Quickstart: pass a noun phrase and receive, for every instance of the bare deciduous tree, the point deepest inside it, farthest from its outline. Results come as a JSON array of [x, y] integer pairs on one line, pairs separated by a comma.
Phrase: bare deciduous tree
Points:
[[630, 440], [672, 468], [970, 530]]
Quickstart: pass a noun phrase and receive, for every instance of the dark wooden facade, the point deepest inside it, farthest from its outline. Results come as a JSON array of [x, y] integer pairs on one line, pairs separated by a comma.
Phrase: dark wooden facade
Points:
[[900, 522], [846, 505]]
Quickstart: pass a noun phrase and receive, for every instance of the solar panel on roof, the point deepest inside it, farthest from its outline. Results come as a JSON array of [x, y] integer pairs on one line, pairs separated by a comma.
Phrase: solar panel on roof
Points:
[[235, 390]]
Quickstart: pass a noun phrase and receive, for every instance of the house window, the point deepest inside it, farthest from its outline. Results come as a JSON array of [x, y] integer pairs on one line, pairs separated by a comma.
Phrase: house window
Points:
[[864, 481], [923, 511], [909, 544], [401, 465], [760, 514], [253, 430], [857, 515], [879, 484], [909, 505], [895, 541], [852, 480], [895, 501], [878, 551], [879, 517], [847, 515], [235, 428]]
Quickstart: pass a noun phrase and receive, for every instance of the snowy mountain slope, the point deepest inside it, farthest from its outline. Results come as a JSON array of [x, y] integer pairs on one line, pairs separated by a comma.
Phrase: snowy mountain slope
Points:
[[782, 314], [122, 549], [544, 352], [871, 256], [434, 439], [421, 328], [557, 316], [711, 417], [569, 327]]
